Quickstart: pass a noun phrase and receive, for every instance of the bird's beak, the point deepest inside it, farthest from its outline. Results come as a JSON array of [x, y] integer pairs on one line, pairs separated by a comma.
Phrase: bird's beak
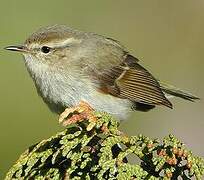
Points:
[[19, 48]]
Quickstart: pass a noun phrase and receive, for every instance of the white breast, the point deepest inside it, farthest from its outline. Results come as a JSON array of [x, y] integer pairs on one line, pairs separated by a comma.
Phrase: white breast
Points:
[[68, 90]]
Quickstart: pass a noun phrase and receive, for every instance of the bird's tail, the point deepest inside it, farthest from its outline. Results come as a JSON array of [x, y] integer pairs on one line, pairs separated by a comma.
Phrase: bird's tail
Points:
[[173, 91]]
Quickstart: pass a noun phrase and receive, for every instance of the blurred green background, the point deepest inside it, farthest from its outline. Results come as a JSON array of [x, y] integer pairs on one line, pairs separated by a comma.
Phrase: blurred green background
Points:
[[167, 37]]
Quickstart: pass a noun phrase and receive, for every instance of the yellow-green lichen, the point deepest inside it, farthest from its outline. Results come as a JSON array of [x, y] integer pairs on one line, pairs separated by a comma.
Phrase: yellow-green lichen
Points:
[[101, 153]]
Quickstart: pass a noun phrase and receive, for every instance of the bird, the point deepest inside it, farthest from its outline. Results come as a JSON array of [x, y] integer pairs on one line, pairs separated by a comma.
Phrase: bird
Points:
[[71, 68]]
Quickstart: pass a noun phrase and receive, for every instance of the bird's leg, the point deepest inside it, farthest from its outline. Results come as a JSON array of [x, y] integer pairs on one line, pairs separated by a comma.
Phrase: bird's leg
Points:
[[78, 113]]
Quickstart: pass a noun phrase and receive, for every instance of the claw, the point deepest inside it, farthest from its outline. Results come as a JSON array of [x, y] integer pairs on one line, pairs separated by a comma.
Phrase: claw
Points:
[[66, 113], [83, 110]]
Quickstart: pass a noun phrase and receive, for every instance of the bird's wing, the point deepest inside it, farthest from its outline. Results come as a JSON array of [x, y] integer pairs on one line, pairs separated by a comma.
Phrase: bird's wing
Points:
[[129, 80]]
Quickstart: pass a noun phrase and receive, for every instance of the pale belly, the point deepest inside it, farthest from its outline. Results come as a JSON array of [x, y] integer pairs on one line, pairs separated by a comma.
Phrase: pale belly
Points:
[[59, 95], [60, 90]]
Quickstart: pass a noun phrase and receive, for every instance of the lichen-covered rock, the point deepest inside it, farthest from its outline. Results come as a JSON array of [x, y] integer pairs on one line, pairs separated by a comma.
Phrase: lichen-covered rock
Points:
[[101, 153]]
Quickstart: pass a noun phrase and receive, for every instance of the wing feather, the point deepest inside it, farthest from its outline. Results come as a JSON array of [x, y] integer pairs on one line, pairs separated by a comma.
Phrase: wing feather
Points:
[[129, 80]]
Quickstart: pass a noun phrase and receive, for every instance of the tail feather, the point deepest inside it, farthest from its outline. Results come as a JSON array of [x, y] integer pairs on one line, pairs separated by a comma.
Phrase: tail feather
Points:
[[171, 90]]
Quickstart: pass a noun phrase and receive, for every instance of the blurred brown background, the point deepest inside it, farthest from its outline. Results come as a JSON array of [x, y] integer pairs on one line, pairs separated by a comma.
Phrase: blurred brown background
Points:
[[167, 37]]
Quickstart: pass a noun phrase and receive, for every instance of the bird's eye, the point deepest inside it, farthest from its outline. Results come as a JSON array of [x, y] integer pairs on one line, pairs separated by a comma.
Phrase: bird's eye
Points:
[[45, 49]]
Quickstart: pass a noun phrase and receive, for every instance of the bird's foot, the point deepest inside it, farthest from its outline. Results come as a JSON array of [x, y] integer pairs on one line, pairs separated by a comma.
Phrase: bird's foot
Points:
[[78, 113]]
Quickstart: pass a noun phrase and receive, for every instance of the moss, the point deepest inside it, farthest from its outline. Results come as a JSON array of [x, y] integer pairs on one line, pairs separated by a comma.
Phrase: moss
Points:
[[101, 153]]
